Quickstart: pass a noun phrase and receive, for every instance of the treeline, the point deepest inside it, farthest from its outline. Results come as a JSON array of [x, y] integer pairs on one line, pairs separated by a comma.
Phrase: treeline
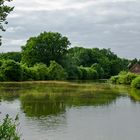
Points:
[[49, 57]]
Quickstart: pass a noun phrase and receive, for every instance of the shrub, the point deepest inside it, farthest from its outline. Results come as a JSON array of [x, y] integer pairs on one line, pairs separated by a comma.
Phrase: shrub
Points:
[[130, 77], [56, 71], [126, 78], [28, 73], [8, 129], [11, 71], [98, 69], [41, 71], [74, 73], [16, 56], [123, 73], [88, 73], [114, 79], [91, 74], [123, 78], [83, 72], [136, 83]]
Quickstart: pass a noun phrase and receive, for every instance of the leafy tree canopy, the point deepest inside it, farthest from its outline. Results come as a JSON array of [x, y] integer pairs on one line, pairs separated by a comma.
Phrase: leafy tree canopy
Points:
[[56, 71], [110, 63], [16, 56], [11, 71], [44, 48]]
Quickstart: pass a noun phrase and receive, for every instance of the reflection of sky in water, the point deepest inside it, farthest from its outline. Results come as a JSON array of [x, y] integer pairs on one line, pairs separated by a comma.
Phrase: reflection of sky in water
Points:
[[113, 122], [33, 127]]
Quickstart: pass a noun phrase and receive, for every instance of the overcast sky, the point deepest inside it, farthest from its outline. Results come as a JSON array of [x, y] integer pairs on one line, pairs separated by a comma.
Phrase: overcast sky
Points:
[[111, 24]]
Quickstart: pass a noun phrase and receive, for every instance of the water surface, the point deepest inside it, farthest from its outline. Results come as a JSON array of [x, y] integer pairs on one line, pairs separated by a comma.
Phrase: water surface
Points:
[[72, 110]]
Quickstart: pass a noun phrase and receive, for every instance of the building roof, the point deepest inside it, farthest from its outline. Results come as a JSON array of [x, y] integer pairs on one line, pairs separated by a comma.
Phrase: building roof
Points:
[[135, 68]]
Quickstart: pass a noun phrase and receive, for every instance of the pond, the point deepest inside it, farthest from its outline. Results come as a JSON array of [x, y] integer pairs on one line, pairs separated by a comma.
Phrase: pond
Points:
[[72, 110]]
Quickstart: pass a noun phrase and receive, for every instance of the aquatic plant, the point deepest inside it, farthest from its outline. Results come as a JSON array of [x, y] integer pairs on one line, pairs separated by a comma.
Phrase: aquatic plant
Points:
[[136, 83], [8, 129]]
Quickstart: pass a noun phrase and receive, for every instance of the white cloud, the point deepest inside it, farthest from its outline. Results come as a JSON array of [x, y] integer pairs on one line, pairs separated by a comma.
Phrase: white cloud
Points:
[[12, 41], [39, 5], [14, 29], [102, 23]]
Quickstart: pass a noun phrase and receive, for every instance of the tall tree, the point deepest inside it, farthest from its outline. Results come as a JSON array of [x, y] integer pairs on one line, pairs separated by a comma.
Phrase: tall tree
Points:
[[4, 11], [44, 48]]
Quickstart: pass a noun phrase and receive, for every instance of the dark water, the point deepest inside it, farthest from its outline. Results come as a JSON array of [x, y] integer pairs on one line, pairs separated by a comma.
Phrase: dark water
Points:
[[72, 111]]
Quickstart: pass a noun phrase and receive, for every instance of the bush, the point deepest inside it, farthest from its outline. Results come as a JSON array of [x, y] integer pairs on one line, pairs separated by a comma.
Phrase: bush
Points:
[[83, 72], [98, 69], [123, 73], [74, 73], [136, 83], [88, 73], [91, 74], [28, 73], [126, 78], [8, 129], [11, 71], [114, 79], [41, 71], [16, 56], [130, 77], [123, 78], [56, 71]]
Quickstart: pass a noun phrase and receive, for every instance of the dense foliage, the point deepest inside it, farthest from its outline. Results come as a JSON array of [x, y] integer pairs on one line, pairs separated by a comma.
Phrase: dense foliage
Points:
[[16, 56], [126, 78], [10, 71], [44, 48], [48, 57], [136, 83], [123, 78], [107, 60], [56, 71], [8, 129]]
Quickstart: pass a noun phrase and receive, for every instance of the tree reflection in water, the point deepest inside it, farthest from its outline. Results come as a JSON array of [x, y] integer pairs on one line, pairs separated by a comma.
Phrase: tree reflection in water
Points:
[[52, 98]]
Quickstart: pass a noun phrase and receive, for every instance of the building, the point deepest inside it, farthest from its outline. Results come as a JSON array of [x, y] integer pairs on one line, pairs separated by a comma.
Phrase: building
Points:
[[135, 68]]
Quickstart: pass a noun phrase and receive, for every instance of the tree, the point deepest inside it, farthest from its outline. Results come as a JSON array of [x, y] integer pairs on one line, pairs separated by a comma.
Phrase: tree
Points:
[[11, 71], [99, 69], [16, 56], [41, 71], [82, 56], [44, 48], [88, 73], [4, 11], [56, 71]]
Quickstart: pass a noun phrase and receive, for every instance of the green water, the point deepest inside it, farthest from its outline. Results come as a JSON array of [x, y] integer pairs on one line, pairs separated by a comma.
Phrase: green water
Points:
[[72, 110]]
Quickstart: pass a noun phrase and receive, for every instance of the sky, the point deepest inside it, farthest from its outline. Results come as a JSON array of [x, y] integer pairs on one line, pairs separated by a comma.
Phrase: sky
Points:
[[113, 24]]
